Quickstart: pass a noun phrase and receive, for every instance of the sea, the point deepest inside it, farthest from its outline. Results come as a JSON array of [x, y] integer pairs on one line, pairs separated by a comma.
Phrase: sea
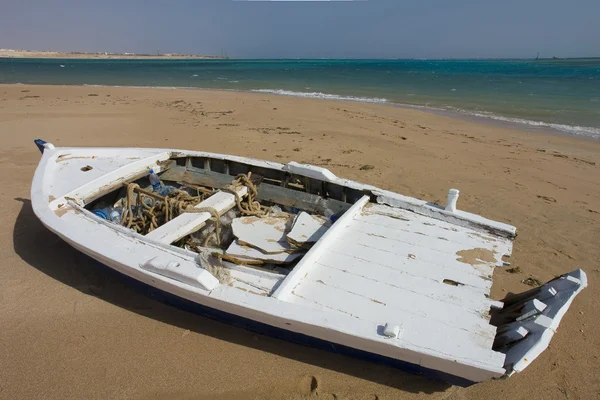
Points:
[[561, 95]]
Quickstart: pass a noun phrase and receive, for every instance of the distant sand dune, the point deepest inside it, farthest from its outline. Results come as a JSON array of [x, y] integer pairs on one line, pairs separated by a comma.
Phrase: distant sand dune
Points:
[[10, 53]]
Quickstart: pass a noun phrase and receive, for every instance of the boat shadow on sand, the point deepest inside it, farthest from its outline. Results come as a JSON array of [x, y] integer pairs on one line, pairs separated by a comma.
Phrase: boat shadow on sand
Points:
[[46, 252]]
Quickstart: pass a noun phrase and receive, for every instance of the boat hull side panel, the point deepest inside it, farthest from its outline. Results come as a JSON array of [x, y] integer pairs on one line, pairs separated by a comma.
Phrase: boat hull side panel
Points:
[[279, 333]]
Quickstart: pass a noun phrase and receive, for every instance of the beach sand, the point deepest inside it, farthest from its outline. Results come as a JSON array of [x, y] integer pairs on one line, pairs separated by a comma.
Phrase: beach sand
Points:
[[70, 329]]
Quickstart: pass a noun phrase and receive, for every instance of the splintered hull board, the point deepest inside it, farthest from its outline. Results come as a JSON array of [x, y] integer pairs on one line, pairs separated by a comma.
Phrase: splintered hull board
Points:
[[394, 279]]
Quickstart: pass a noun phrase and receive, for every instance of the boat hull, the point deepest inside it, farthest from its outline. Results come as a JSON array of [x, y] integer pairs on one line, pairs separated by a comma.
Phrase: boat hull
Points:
[[437, 313], [269, 330]]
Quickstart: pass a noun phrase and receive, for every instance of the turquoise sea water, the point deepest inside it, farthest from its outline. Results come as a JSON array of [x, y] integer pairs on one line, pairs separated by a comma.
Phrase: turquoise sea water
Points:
[[558, 94]]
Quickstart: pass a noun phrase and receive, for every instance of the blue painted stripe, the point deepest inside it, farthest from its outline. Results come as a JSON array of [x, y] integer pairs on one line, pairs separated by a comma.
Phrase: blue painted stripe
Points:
[[284, 334]]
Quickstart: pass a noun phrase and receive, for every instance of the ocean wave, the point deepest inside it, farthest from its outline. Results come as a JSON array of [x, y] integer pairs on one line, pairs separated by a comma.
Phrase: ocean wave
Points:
[[322, 96], [572, 129], [588, 131]]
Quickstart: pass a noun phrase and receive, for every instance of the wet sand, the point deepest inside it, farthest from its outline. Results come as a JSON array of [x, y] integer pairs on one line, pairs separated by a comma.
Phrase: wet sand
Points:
[[71, 329]]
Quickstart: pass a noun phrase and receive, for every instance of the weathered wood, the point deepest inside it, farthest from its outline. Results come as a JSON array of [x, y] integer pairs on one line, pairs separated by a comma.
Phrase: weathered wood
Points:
[[108, 173], [423, 225], [238, 250], [405, 302], [197, 176], [264, 233], [464, 296], [253, 280], [310, 203], [415, 268], [175, 174], [458, 217], [307, 229], [422, 330], [266, 192]]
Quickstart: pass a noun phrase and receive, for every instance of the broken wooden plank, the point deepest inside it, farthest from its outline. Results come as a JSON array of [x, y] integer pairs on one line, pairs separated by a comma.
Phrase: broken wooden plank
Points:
[[187, 223], [307, 229], [267, 234], [246, 252]]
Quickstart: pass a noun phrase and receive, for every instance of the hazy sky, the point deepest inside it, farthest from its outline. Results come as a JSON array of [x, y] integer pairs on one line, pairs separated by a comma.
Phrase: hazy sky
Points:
[[373, 28]]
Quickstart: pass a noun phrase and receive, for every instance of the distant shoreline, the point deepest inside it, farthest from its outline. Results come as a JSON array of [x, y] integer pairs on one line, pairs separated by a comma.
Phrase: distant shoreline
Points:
[[10, 53]]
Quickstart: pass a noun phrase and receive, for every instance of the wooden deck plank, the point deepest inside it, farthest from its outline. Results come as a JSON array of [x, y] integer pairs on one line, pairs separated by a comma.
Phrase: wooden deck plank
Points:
[[264, 233], [414, 267], [414, 222], [197, 176], [397, 300], [458, 217], [420, 224], [444, 255], [460, 295], [307, 229]]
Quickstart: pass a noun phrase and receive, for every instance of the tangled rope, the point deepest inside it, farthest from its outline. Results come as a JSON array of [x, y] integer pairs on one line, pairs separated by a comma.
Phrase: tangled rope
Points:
[[249, 206], [215, 217], [235, 260], [147, 211]]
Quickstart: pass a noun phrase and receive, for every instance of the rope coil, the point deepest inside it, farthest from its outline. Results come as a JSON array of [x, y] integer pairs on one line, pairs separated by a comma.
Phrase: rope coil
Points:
[[146, 211]]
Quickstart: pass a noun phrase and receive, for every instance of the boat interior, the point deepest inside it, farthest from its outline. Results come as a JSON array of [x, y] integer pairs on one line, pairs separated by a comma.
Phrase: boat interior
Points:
[[256, 222], [263, 229]]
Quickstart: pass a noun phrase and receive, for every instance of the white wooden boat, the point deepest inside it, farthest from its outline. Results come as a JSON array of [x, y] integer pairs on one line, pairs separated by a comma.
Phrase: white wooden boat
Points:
[[393, 279]]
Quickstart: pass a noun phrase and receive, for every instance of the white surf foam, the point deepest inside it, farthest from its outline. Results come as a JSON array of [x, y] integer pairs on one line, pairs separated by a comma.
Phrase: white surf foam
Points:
[[588, 131], [571, 129], [323, 96]]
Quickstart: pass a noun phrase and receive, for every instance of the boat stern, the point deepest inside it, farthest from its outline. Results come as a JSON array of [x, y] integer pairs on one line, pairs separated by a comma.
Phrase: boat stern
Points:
[[529, 320]]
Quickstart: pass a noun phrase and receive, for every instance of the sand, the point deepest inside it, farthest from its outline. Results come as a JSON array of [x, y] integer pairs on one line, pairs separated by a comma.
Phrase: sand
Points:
[[70, 329]]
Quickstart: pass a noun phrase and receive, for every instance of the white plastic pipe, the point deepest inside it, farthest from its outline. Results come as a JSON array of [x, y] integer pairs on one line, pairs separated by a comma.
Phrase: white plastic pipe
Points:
[[452, 199]]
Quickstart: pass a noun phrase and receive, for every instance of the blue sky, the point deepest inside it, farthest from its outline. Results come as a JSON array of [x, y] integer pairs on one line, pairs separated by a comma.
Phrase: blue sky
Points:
[[335, 29]]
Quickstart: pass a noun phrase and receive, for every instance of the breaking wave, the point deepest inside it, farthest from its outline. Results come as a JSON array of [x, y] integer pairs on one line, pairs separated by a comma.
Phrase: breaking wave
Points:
[[571, 129], [323, 96]]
